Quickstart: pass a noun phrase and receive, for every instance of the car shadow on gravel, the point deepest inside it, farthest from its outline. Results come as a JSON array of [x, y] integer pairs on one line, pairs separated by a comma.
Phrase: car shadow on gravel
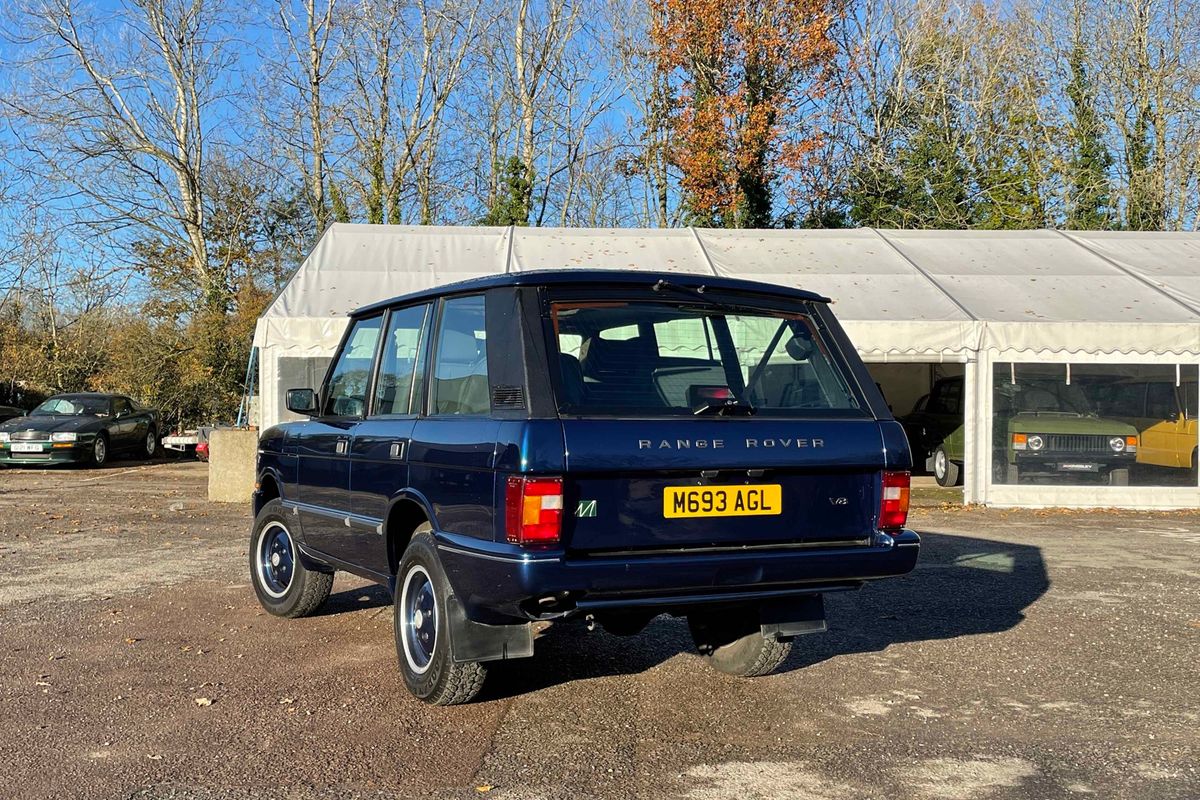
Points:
[[963, 586], [358, 599]]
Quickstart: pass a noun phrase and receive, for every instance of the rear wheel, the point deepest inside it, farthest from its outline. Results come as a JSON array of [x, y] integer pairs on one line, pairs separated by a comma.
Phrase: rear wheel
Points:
[[285, 587], [423, 644], [150, 447], [731, 641], [944, 470]]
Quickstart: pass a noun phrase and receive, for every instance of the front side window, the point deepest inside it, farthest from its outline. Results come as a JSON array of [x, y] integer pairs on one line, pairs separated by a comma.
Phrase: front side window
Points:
[[346, 388], [121, 406], [400, 369], [460, 377], [676, 360]]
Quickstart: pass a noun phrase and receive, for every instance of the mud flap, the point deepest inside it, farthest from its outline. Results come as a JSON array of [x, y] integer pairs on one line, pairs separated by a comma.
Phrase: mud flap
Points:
[[782, 620], [475, 641]]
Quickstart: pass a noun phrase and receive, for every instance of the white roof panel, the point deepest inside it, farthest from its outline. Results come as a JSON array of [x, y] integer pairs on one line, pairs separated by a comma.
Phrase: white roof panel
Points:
[[1035, 276], [889, 279], [858, 269]]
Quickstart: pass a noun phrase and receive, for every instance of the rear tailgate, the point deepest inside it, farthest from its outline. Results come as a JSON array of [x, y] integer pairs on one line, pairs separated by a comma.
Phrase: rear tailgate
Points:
[[756, 481]]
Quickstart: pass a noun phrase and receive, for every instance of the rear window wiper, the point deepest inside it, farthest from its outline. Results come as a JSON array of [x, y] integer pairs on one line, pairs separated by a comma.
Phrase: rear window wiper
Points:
[[696, 293], [729, 407]]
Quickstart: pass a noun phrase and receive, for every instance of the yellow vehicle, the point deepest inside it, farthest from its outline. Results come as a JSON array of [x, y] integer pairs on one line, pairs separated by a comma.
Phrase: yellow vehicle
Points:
[[1163, 413]]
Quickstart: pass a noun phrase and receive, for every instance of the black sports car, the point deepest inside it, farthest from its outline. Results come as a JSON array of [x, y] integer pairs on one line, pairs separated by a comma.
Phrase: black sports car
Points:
[[85, 427]]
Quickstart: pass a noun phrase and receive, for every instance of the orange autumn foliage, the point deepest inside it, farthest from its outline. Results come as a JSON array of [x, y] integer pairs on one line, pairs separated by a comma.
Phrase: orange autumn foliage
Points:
[[744, 73]]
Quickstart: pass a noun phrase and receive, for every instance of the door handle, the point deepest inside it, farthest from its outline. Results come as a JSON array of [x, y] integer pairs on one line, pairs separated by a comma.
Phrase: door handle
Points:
[[342, 446], [396, 451]]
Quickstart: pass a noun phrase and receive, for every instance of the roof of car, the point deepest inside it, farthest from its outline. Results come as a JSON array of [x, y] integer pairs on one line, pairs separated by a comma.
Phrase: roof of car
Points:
[[88, 394], [568, 277]]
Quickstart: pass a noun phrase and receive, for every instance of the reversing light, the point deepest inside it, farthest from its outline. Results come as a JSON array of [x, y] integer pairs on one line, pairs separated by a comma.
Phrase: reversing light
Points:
[[533, 511], [893, 505]]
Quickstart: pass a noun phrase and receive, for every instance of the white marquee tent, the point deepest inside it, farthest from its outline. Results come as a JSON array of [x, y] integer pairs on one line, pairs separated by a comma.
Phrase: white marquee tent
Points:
[[976, 298]]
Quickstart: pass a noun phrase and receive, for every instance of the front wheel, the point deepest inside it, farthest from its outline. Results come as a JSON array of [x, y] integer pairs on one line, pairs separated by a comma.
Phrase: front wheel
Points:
[[99, 454], [285, 587], [423, 644], [731, 641], [150, 446]]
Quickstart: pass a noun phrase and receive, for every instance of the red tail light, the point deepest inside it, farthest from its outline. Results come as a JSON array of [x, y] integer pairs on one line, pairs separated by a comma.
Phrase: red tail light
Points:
[[893, 507], [533, 510]]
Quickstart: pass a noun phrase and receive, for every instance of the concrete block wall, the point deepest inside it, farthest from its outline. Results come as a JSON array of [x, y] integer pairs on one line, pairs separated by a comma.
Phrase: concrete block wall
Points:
[[231, 458]]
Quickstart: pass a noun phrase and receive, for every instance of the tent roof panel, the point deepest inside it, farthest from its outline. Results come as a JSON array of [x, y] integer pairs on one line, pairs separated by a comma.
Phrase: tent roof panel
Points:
[[950, 276]]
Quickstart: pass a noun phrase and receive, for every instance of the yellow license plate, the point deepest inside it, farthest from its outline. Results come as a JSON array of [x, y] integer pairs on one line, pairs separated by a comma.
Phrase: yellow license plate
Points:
[[722, 501]]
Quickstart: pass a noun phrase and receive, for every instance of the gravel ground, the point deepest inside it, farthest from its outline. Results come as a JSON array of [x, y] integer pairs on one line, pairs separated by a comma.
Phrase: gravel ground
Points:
[[1030, 655]]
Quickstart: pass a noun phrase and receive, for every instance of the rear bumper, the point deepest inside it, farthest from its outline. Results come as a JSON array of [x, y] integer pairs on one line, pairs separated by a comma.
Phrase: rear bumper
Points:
[[502, 580]]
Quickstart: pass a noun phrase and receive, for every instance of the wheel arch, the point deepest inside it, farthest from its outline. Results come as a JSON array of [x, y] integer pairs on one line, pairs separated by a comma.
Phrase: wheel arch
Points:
[[406, 512], [268, 487]]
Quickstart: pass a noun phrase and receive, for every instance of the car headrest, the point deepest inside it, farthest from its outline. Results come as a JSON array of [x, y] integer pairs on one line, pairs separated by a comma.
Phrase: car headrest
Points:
[[616, 355], [458, 348]]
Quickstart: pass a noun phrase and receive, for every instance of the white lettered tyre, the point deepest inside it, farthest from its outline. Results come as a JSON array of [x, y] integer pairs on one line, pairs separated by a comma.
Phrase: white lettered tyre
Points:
[[424, 647], [285, 587]]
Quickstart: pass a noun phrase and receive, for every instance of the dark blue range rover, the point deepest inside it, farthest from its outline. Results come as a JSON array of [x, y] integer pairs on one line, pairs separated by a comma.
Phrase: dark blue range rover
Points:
[[592, 445]]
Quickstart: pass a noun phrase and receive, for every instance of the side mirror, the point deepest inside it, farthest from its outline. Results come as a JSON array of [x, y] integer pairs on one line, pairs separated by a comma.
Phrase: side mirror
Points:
[[301, 401]]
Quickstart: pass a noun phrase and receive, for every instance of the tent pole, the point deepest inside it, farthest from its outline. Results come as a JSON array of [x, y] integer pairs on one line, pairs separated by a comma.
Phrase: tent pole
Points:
[[244, 405]]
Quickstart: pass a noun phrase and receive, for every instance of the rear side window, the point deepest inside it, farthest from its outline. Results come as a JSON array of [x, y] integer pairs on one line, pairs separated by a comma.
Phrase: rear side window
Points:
[[946, 398], [658, 359], [400, 368], [460, 378], [346, 389]]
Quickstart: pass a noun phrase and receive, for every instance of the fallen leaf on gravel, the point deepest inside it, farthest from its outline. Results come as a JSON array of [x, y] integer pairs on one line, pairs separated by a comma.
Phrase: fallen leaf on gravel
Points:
[[131, 640], [486, 787], [204, 701], [286, 701], [1194, 623], [153, 758]]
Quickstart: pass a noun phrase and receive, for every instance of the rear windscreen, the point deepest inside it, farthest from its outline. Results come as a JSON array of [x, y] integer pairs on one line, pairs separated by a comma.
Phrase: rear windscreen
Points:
[[663, 359]]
